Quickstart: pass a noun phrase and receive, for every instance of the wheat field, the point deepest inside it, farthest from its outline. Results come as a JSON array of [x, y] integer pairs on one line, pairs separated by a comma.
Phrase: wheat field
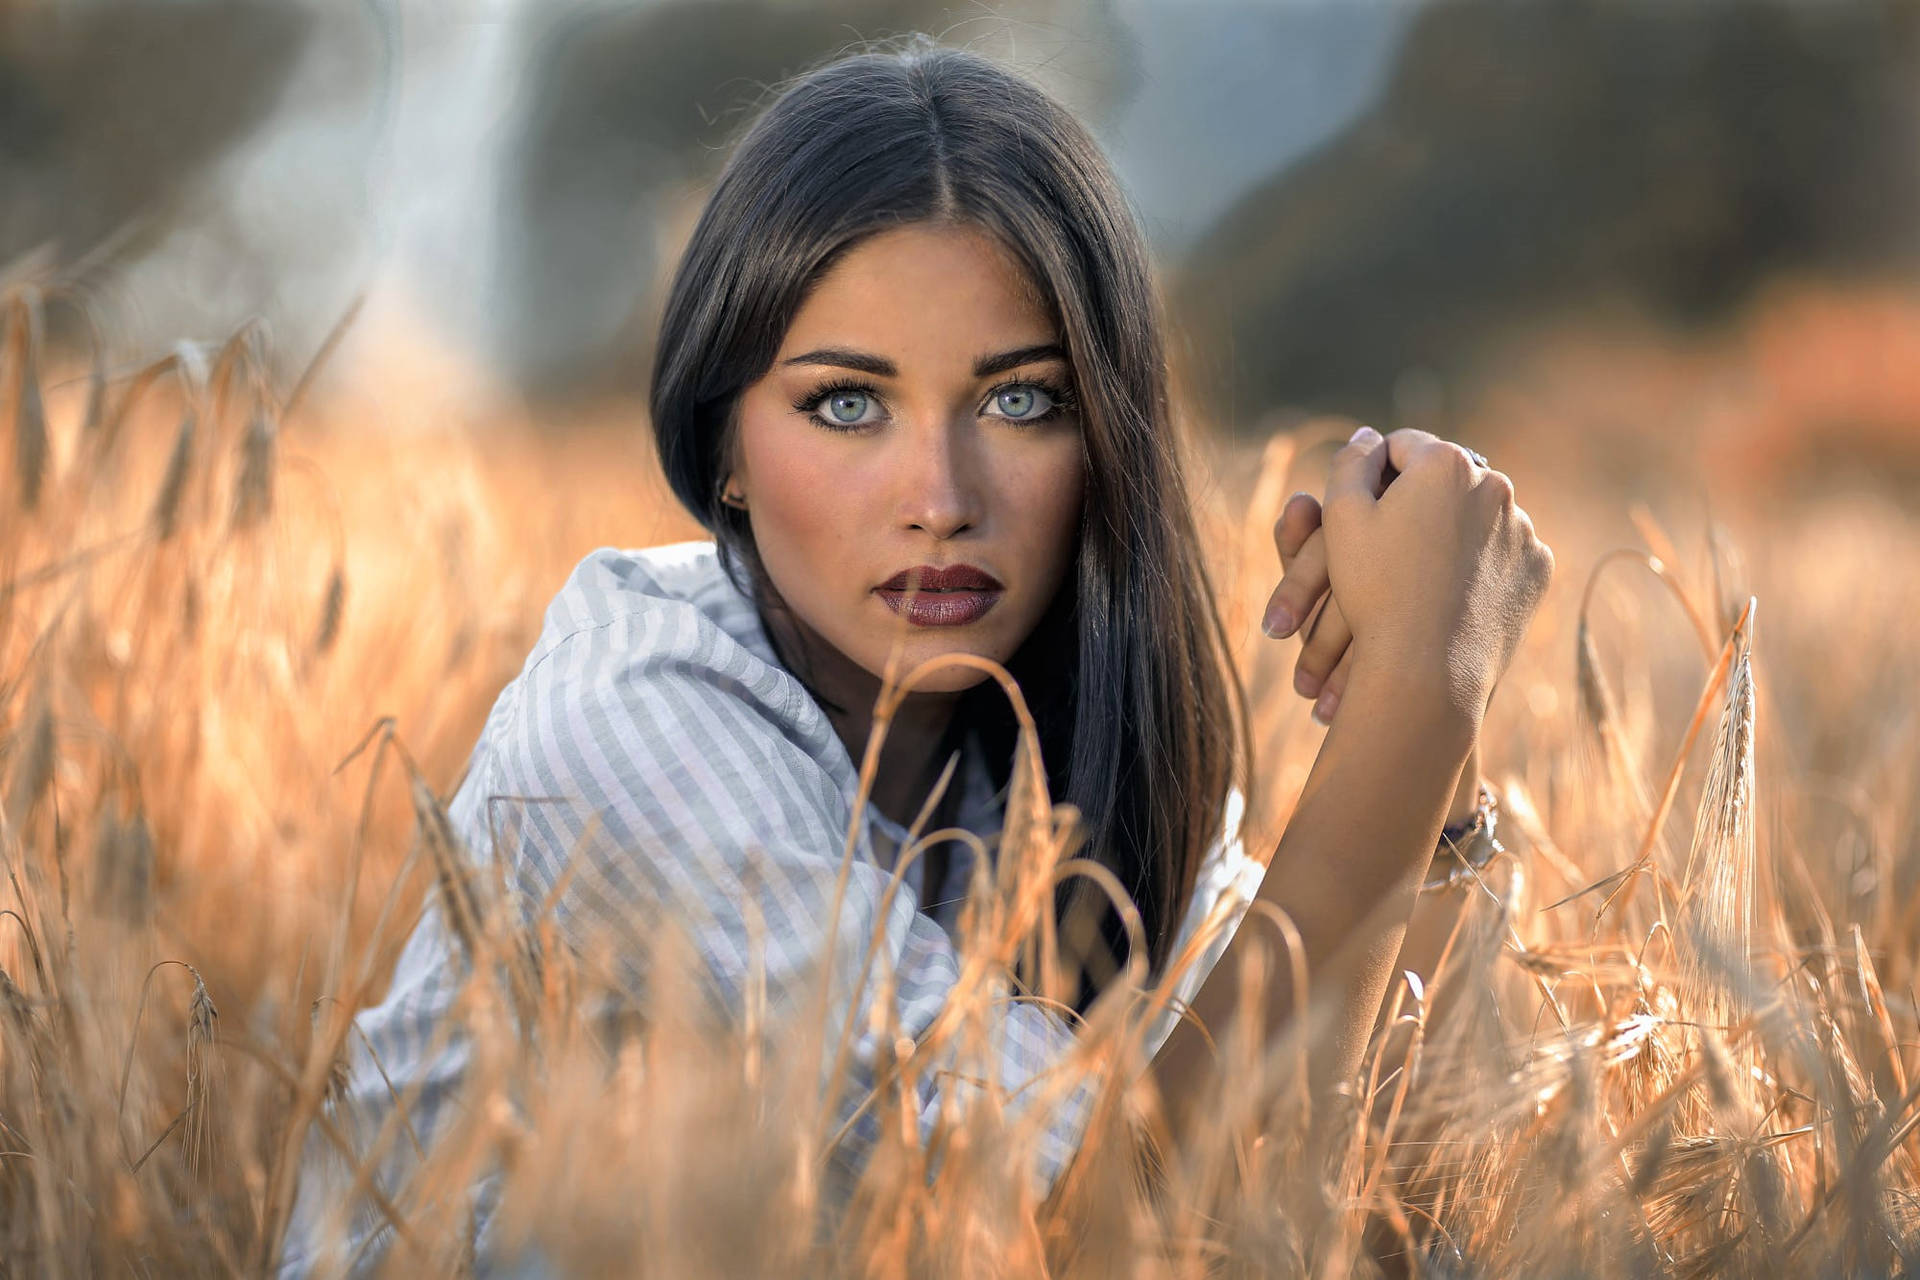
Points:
[[250, 625]]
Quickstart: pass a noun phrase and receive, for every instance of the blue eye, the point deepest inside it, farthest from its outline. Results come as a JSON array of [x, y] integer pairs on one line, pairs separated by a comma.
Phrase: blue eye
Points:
[[846, 407], [1029, 401], [841, 406], [1019, 402]]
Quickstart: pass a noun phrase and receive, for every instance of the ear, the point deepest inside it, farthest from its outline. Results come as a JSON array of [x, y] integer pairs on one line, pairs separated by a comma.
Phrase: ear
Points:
[[733, 488]]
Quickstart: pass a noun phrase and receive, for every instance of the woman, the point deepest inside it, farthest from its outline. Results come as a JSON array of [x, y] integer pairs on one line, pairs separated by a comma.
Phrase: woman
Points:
[[911, 377]]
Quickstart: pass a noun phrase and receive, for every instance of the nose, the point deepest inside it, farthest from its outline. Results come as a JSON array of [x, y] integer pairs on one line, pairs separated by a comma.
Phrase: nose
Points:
[[938, 477]]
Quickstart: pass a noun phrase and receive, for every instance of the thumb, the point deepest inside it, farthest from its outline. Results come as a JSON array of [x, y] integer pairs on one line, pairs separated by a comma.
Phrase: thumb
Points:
[[1359, 470]]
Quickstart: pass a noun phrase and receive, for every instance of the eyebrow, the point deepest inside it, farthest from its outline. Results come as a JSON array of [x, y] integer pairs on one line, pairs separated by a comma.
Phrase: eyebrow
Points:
[[881, 367]]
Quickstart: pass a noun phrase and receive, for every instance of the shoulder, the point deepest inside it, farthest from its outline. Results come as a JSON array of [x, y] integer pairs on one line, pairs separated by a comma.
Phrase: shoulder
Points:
[[670, 607], [642, 722], [649, 665], [682, 582]]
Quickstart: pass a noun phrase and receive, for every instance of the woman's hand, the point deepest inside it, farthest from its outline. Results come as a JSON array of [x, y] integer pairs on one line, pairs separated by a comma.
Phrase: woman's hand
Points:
[[1425, 561], [1321, 670]]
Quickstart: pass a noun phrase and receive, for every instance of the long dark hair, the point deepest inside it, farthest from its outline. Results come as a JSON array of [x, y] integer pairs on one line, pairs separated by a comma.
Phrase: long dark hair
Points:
[[1142, 723]]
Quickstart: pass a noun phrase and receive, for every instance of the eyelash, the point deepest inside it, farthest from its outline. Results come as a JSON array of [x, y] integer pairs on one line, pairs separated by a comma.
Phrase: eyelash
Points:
[[1061, 396]]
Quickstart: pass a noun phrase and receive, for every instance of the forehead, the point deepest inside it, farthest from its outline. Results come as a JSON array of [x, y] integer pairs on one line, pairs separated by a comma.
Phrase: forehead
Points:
[[918, 283]]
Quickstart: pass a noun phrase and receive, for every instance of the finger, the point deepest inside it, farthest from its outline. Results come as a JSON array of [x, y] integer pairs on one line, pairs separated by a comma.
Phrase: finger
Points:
[[1358, 471], [1305, 582], [1298, 519], [1409, 446], [1326, 643], [1498, 484], [1329, 700]]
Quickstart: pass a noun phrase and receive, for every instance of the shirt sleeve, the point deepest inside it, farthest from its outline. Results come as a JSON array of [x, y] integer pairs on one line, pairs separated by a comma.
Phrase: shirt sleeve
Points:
[[1225, 886], [674, 777]]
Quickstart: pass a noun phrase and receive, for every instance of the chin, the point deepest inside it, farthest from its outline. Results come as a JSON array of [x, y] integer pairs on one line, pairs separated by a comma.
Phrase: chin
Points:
[[955, 678]]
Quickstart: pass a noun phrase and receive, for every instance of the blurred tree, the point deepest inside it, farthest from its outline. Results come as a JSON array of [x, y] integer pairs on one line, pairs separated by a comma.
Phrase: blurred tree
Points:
[[1534, 158]]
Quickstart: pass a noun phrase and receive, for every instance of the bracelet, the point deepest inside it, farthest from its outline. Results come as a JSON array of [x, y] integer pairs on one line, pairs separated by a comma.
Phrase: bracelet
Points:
[[1467, 846]]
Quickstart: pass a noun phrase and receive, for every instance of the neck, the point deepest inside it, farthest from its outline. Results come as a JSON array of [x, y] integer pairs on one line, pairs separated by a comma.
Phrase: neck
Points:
[[910, 756]]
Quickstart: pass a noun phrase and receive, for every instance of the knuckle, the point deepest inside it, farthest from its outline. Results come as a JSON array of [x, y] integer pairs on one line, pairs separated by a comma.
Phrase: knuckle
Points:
[[1538, 562], [1342, 506], [1321, 652], [1314, 663], [1452, 462], [1307, 564], [1294, 529]]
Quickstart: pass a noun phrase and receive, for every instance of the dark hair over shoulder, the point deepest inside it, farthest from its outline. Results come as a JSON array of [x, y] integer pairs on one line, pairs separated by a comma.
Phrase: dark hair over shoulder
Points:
[[1142, 723]]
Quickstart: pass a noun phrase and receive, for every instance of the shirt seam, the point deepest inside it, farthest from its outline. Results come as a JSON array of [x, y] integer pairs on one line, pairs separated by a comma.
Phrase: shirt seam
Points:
[[626, 615]]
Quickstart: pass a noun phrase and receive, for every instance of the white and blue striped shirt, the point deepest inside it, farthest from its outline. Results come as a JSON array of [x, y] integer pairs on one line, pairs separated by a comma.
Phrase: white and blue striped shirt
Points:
[[660, 750]]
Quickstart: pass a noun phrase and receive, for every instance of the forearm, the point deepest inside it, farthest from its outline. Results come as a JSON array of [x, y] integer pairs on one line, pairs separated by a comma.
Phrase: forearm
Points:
[[1345, 872], [1467, 793], [1435, 915]]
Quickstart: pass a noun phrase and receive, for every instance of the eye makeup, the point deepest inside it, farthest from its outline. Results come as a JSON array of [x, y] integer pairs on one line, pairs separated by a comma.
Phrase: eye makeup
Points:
[[1060, 396]]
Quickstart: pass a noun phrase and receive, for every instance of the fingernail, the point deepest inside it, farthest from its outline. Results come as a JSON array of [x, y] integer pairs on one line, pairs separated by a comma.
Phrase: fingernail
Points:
[[1278, 623], [1323, 709], [1363, 434]]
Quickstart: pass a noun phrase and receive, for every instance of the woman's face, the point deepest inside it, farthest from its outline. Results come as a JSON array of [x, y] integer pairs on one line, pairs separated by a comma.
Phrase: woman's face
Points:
[[919, 412]]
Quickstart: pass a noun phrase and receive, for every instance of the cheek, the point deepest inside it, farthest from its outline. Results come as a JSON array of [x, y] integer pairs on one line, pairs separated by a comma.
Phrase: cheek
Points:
[[789, 473], [1044, 490]]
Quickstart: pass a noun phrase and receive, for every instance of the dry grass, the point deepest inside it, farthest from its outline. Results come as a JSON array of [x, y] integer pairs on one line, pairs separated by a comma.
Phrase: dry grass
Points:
[[242, 657]]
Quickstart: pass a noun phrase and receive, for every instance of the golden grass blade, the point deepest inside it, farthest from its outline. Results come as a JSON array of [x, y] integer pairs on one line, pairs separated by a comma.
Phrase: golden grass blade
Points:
[[1716, 915]]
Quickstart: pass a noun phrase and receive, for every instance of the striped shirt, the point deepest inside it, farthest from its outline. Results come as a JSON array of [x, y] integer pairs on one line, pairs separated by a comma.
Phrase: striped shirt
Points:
[[678, 765]]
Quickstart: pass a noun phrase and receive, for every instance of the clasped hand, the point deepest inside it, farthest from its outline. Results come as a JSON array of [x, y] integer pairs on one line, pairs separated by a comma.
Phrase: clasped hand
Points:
[[1423, 560]]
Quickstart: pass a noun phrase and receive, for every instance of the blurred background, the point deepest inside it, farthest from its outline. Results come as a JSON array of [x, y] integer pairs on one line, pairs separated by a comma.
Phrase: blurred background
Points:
[[1615, 226]]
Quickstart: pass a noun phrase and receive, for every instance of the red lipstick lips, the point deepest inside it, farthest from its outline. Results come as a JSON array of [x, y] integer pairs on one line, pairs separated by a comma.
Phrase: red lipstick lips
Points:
[[949, 597]]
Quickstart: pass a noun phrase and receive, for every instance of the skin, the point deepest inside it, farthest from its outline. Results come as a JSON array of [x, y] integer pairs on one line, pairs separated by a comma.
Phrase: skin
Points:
[[1321, 674], [1435, 570], [940, 471]]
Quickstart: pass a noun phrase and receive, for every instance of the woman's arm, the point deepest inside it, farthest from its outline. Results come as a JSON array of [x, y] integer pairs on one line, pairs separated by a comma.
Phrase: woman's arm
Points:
[[1468, 792], [1438, 574], [1345, 873], [1435, 915]]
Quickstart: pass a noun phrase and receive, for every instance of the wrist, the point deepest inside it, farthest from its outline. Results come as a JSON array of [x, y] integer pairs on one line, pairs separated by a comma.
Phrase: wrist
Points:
[[1466, 796], [1467, 846], [1427, 689]]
